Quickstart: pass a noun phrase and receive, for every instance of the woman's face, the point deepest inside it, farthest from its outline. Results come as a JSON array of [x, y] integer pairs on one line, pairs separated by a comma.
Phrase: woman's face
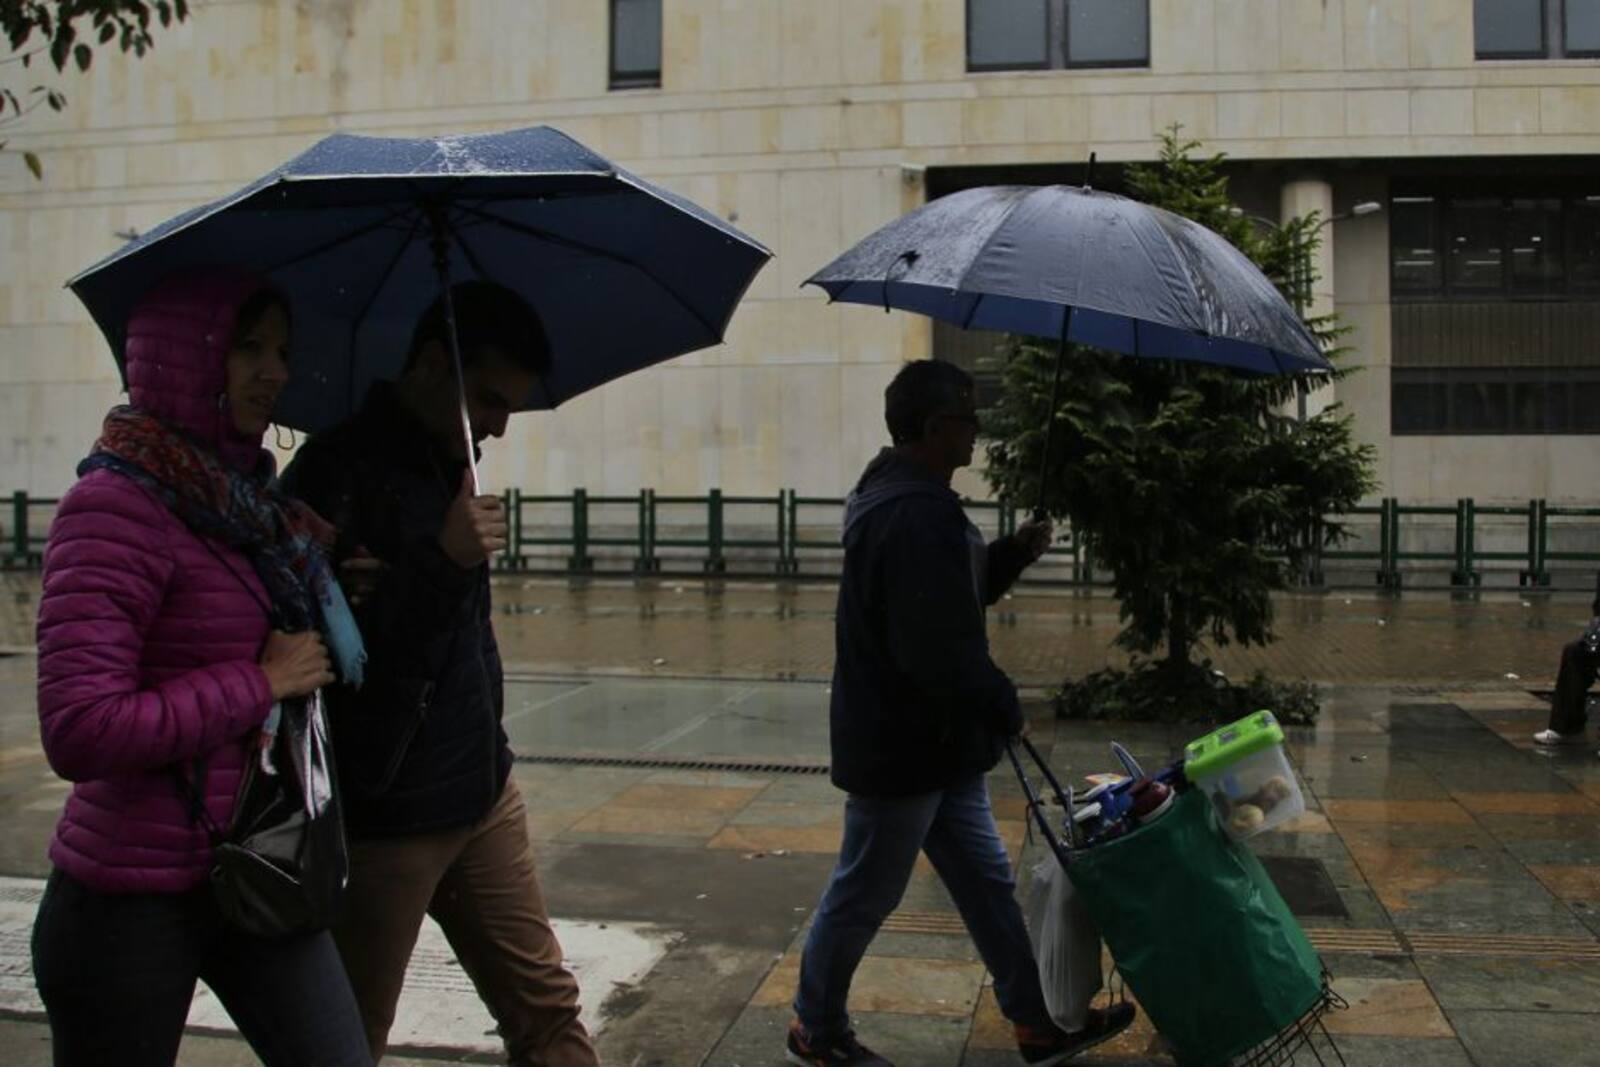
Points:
[[258, 369]]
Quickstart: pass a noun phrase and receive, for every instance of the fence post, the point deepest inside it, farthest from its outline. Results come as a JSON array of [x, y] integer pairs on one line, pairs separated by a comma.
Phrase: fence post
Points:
[[783, 565], [791, 533], [1314, 576], [642, 563], [1389, 541], [714, 561], [1541, 574], [511, 558], [1466, 546], [579, 560], [19, 527]]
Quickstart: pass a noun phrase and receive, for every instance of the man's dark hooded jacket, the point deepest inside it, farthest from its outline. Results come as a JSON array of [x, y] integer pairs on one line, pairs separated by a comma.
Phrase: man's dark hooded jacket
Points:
[[918, 704], [419, 747]]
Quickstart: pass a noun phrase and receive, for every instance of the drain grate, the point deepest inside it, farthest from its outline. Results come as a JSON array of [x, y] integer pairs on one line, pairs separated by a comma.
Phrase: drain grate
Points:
[[676, 763]]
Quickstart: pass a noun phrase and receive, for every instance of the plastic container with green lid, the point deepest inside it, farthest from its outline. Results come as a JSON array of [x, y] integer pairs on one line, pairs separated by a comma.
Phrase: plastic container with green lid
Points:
[[1242, 768]]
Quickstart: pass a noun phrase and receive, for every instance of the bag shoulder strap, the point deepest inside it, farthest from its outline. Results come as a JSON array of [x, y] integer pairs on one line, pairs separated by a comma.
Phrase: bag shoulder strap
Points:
[[193, 793]]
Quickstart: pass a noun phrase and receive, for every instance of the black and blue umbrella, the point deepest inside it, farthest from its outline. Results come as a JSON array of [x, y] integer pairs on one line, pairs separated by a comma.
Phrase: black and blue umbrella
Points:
[[362, 232], [1077, 265]]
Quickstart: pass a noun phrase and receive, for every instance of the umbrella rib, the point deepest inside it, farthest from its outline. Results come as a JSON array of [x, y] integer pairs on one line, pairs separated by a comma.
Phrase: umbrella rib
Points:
[[579, 246], [344, 238], [961, 285], [372, 298], [472, 257]]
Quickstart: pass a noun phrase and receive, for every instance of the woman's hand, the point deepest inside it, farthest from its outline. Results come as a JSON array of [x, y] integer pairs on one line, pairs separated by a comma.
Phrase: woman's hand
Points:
[[296, 665]]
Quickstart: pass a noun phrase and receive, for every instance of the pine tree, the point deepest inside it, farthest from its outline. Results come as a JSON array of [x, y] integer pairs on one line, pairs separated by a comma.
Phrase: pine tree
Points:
[[1188, 483]]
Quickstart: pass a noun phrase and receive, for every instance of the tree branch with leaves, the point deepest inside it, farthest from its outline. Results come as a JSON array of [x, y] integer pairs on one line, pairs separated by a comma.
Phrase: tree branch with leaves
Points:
[[67, 33]]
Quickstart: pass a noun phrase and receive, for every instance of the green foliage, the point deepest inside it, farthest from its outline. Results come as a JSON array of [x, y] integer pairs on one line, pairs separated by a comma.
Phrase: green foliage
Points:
[[1194, 694], [1189, 483], [65, 39]]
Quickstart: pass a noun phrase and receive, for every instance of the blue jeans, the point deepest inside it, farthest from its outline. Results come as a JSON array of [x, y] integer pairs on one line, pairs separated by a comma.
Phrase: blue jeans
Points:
[[882, 836]]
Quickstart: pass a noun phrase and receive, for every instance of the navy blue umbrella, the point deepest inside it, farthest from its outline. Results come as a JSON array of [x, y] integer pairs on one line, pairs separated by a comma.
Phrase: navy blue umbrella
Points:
[[1078, 265], [361, 232]]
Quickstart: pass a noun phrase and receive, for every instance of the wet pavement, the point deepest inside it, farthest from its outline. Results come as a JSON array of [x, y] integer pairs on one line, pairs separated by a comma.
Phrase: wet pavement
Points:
[[1448, 873]]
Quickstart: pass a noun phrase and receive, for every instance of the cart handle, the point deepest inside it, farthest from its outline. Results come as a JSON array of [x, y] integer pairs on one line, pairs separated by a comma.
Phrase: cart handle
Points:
[[1035, 805]]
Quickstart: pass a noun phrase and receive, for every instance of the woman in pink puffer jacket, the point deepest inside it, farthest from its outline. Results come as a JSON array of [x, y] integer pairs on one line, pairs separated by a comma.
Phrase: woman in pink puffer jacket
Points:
[[157, 662]]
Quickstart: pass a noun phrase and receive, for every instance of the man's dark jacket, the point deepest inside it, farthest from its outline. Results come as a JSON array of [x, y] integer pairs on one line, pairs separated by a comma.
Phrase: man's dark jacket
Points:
[[917, 703], [419, 747]]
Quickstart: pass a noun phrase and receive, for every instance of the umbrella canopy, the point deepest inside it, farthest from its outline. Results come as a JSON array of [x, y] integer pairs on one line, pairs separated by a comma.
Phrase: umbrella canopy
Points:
[[623, 273], [1078, 265]]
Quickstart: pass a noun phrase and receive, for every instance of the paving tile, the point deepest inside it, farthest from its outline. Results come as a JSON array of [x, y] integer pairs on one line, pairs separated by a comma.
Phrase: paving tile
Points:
[[1392, 812], [765, 813], [1366, 1051], [1515, 1037], [1527, 803], [821, 839], [616, 818], [1471, 906], [1491, 984], [893, 984], [1569, 882], [1386, 1007], [686, 797]]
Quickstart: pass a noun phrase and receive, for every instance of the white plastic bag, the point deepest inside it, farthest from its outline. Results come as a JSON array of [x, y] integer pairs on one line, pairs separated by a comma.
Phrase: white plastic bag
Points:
[[1066, 944]]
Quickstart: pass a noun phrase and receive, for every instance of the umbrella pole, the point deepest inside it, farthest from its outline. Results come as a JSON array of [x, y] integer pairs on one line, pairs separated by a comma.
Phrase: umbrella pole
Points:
[[1050, 416], [441, 263]]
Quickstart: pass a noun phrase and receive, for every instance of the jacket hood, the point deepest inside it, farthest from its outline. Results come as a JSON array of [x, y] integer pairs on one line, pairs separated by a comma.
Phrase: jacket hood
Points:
[[175, 358], [891, 476]]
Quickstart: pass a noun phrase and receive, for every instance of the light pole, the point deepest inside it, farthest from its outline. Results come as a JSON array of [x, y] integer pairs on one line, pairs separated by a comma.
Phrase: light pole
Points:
[[1300, 279]]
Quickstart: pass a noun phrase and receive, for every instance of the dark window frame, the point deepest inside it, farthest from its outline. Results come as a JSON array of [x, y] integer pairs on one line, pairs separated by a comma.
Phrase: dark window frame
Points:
[[1057, 27], [1573, 53], [1573, 419], [1552, 35], [992, 68], [628, 79], [1444, 197]]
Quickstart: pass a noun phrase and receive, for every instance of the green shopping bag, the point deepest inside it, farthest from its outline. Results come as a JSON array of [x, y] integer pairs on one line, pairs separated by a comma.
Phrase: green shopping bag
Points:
[[1200, 933]]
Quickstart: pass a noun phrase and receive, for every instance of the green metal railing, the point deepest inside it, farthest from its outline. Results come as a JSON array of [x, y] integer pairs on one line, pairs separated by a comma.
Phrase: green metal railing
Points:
[[783, 534]]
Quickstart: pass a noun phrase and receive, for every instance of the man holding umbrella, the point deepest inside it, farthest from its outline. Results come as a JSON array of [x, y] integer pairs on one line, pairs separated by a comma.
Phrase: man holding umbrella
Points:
[[437, 825], [919, 713]]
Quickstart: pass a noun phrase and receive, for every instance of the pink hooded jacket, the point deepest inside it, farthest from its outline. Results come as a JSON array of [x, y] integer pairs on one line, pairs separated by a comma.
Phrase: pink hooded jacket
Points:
[[147, 643]]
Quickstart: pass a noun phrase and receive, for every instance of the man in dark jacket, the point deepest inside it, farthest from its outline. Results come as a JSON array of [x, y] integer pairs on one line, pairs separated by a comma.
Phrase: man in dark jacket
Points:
[[437, 825], [919, 713], [1569, 710]]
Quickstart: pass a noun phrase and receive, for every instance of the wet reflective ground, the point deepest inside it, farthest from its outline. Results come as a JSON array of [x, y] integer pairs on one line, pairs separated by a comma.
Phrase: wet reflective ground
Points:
[[1447, 871]]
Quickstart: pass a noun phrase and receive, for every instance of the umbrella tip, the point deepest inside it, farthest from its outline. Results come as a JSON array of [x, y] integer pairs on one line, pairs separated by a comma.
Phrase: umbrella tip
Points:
[[1088, 174]]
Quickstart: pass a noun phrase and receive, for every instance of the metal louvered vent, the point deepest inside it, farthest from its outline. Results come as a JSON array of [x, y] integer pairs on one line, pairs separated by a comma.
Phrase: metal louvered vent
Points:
[[677, 763]]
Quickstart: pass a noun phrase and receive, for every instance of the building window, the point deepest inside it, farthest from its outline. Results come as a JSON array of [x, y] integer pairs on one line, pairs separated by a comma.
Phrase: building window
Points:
[[1042, 34], [1519, 245], [1496, 304], [635, 44], [1460, 401], [1536, 29]]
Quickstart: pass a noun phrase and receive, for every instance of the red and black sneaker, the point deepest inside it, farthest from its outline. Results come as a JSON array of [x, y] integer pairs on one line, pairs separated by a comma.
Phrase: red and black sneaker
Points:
[[1046, 1046], [843, 1051]]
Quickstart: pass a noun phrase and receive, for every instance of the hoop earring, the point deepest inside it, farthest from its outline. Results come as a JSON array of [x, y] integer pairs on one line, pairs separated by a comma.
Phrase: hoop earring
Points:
[[277, 437]]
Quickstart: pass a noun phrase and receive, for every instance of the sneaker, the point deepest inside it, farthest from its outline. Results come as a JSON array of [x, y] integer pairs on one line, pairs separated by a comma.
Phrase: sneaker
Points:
[[1046, 1046], [1551, 739], [844, 1051]]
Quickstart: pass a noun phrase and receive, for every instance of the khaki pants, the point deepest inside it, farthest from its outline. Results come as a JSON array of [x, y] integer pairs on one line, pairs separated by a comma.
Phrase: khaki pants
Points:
[[479, 884]]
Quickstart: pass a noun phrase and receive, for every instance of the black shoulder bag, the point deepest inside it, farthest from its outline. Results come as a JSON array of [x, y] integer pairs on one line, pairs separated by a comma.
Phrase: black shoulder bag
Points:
[[281, 866]]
